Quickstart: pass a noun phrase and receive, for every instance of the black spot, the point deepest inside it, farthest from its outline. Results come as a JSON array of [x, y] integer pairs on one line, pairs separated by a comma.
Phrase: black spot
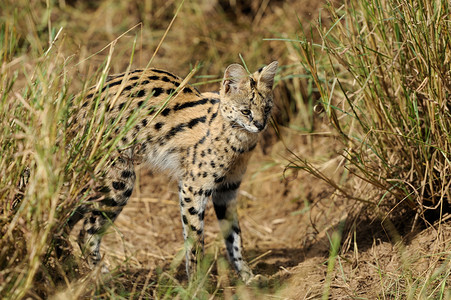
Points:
[[204, 174], [170, 91], [103, 189], [202, 215], [202, 153], [208, 193], [237, 150], [230, 239], [89, 96], [85, 104], [260, 70], [165, 79], [111, 215], [192, 211], [212, 164], [95, 197], [128, 193], [91, 230], [187, 90], [118, 185], [185, 220], [153, 77], [92, 220], [144, 122], [157, 91], [140, 103], [109, 202], [124, 140], [134, 78], [121, 106], [126, 174], [166, 111], [158, 125], [187, 200]]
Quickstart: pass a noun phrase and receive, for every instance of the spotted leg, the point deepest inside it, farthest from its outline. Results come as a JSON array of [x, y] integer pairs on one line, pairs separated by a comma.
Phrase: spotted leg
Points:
[[105, 206], [192, 208], [224, 201]]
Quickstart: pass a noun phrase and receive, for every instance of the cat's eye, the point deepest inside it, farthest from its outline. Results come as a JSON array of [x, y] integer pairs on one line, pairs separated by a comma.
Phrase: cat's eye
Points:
[[246, 112]]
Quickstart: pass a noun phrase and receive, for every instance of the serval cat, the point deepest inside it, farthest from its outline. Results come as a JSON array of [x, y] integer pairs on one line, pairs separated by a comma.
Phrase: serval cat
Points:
[[204, 141]]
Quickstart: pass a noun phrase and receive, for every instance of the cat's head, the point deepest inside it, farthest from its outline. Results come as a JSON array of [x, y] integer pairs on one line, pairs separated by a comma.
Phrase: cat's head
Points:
[[246, 100]]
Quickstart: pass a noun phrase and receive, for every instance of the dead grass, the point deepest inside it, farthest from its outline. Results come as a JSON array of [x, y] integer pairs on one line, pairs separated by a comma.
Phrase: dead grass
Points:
[[300, 232]]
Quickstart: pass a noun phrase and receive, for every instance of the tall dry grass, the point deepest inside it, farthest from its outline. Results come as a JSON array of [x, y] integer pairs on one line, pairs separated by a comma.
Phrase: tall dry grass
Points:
[[382, 72]]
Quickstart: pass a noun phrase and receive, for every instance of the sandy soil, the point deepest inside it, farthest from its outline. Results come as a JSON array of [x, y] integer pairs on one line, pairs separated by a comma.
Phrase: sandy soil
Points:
[[286, 222]]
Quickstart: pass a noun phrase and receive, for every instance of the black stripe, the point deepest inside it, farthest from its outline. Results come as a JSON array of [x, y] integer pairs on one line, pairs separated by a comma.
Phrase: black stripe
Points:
[[109, 85], [195, 121], [213, 116], [180, 106], [187, 90], [164, 72], [175, 130], [181, 127]]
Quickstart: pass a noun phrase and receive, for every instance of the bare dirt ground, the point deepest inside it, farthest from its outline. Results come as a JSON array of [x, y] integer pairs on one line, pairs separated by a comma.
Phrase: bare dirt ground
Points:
[[287, 223]]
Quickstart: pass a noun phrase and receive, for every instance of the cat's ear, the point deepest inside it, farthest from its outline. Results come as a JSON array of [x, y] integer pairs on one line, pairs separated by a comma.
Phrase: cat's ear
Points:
[[234, 75], [267, 74]]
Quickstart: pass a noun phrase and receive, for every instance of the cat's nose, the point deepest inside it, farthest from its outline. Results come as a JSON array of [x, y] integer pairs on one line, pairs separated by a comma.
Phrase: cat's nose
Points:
[[260, 126]]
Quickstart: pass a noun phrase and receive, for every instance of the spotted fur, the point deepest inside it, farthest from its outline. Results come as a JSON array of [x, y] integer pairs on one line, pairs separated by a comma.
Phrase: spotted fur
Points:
[[203, 141]]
